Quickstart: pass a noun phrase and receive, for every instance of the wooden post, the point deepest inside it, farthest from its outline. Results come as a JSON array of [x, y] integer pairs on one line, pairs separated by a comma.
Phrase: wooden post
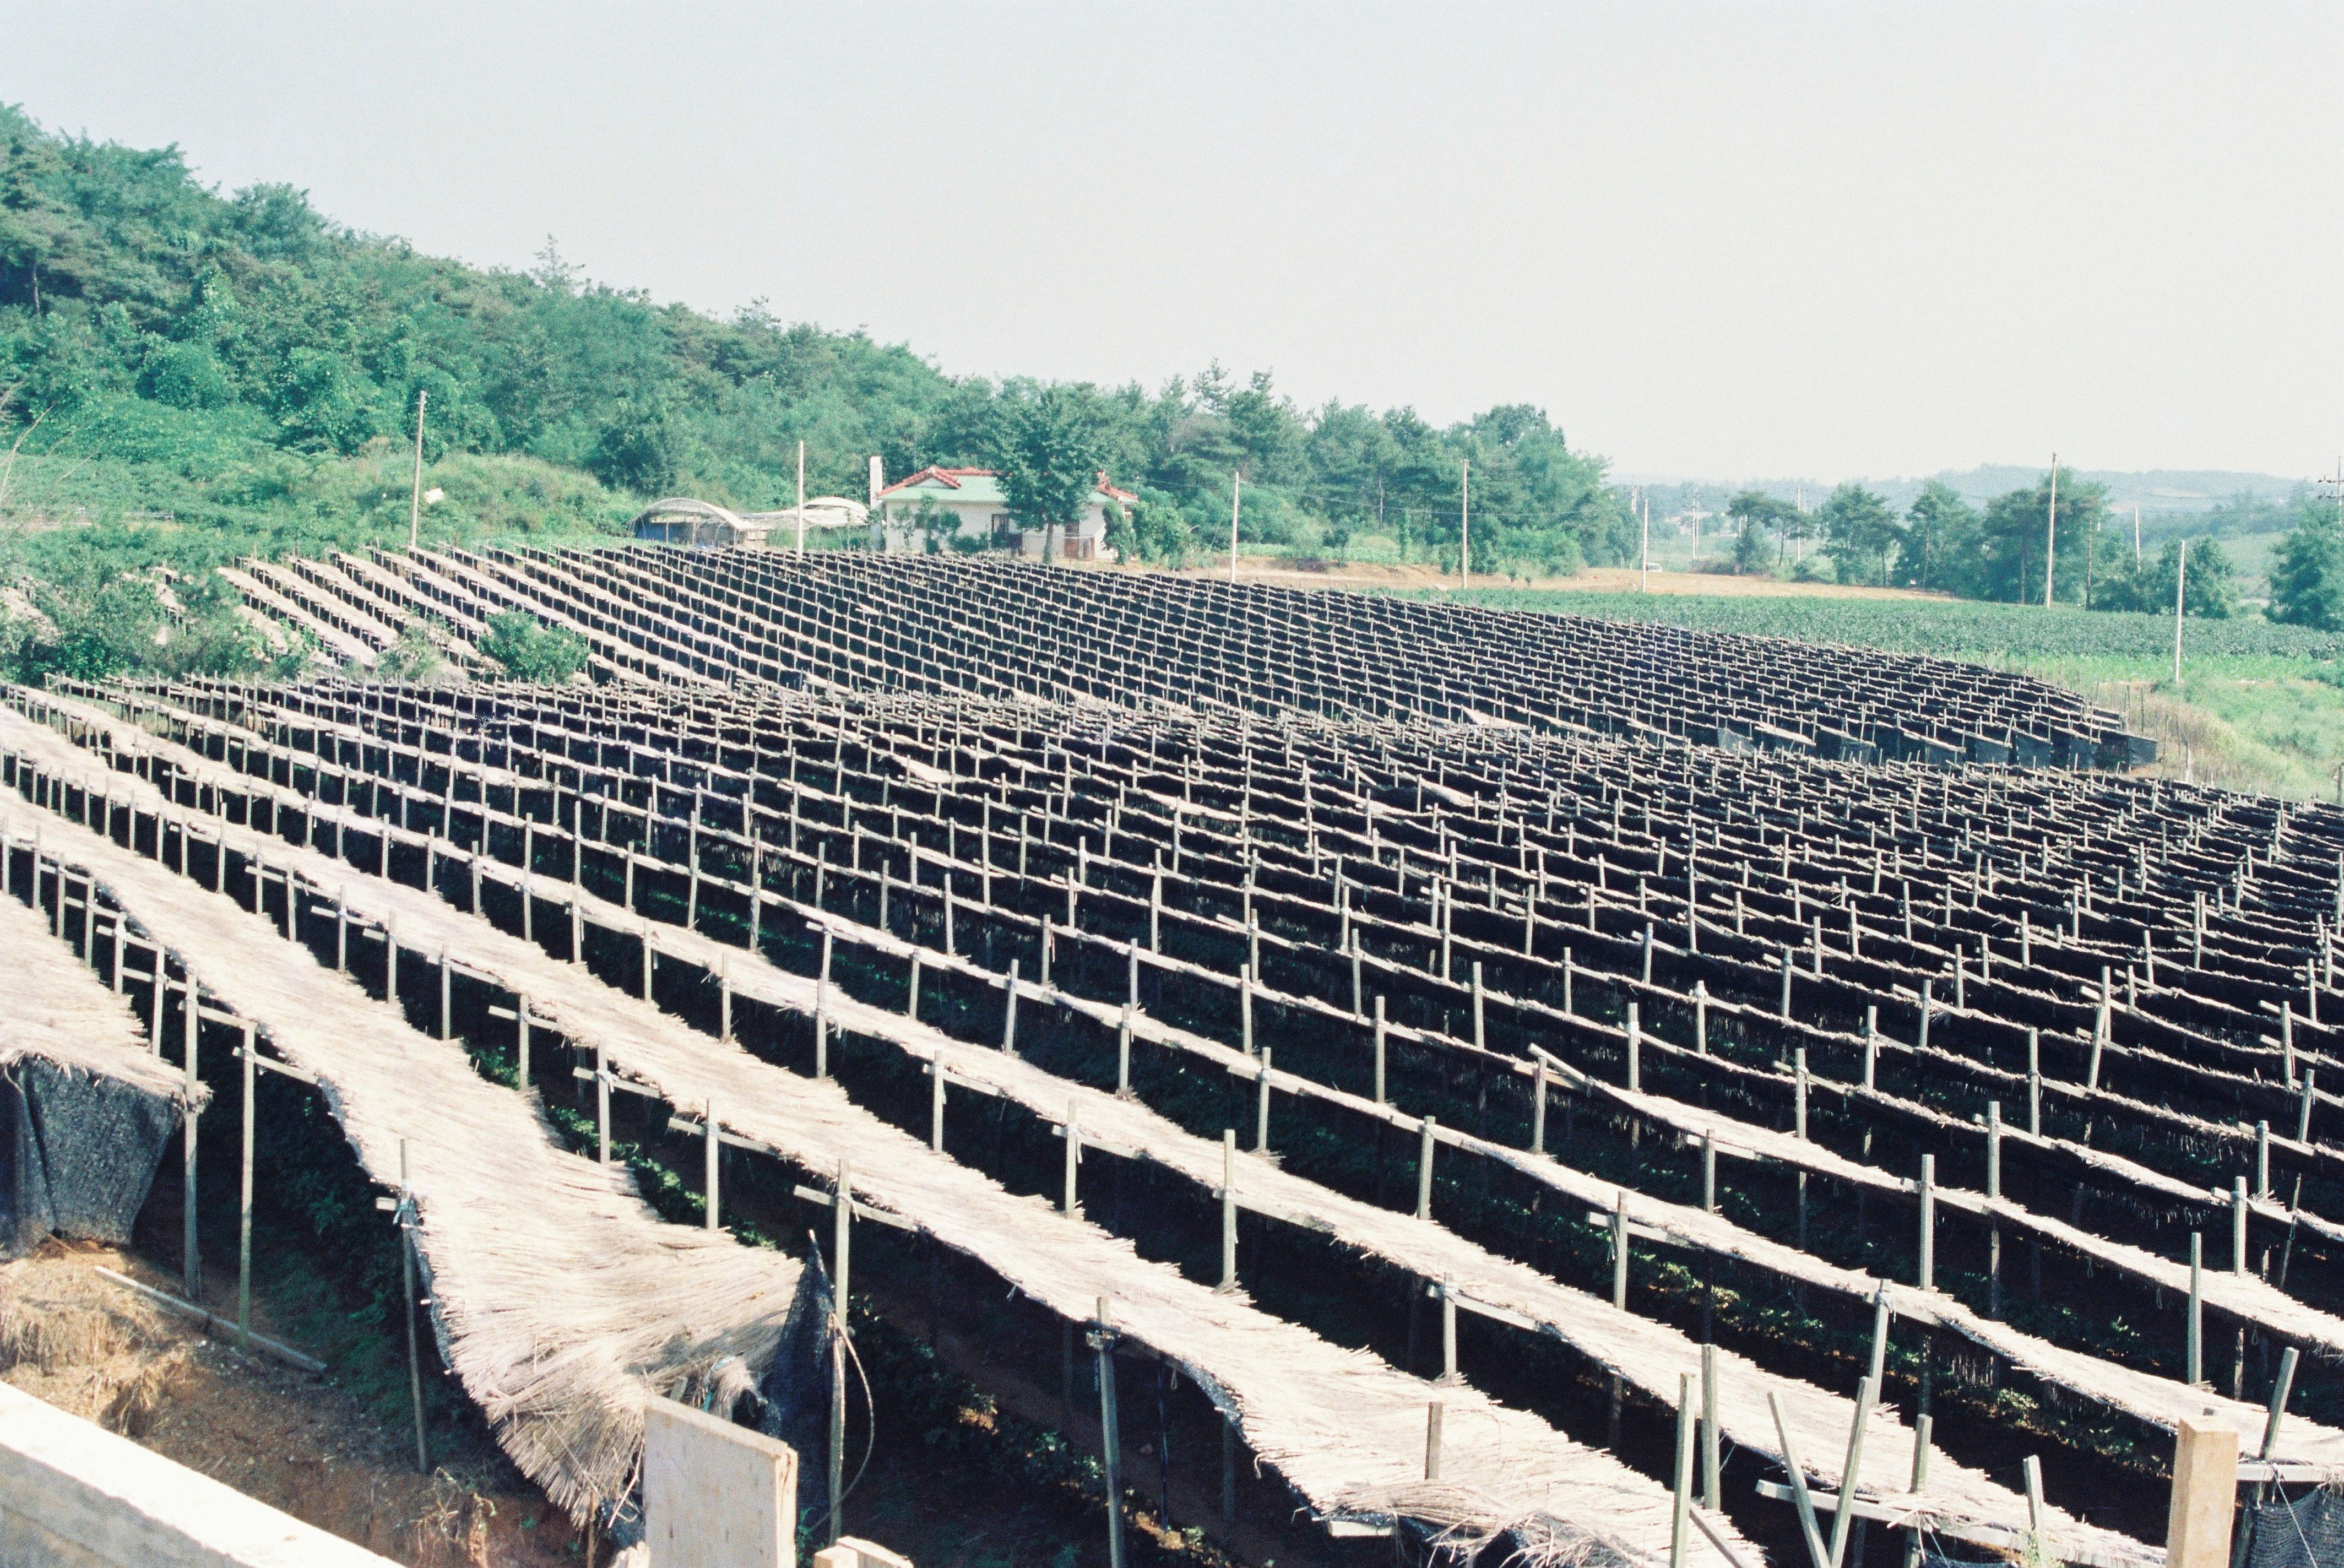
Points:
[[2205, 1493], [1620, 1249], [822, 1013], [1123, 1054], [1921, 1425], [602, 1107], [1245, 1007], [1538, 1108], [244, 1205], [1844, 1515], [1447, 1293], [2180, 575], [841, 1233], [2034, 1083], [709, 1174], [1817, 1554], [2196, 1336], [1009, 1014], [191, 1267], [2239, 1227], [1379, 1050], [1424, 1172], [1635, 1051], [1681, 1503], [1073, 1130], [757, 893], [1433, 1411], [1228, 1209], [1261, 1106], [1712, 1482], [407, 1216], [1110, 1434], [1928, 1267], [520, 1042], [1993, 1195]]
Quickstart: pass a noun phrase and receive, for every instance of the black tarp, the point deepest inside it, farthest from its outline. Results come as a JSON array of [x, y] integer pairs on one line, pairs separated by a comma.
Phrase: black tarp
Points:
[[78, 1152], [2307, 1533]]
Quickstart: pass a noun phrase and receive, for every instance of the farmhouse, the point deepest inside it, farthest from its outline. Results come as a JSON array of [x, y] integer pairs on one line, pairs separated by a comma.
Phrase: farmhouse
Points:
[[967, 504]]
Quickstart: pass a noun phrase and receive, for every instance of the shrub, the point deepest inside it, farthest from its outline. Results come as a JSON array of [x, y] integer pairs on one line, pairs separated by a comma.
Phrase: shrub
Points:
[[530, 651]]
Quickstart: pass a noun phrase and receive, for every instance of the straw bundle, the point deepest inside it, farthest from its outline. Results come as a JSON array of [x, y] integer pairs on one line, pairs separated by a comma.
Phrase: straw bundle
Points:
[[560, 1300]]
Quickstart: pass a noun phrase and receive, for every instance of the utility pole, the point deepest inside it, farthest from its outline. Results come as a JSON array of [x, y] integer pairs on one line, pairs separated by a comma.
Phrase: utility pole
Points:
[[2180, 575], [1645, 558], [2051, 531], [801, 498], [2136, 533], [1237, 496], [1465, 524], [414, 502]]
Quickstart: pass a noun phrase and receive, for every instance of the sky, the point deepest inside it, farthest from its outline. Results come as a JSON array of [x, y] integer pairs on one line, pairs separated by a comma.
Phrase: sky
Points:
[[1737, 240]]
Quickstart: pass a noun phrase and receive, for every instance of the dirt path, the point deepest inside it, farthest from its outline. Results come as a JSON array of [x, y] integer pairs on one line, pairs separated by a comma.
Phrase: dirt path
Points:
[[297, 1443]]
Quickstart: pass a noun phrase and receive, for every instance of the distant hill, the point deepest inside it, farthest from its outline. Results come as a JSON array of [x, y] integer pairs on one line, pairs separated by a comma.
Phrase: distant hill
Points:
[[2153, 490]]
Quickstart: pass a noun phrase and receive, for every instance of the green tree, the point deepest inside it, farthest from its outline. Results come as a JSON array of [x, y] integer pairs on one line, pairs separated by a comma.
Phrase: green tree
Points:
[[1940, 531], [2307, 574], [2210, 588], [639, 449], [1121, 537], [1860, 533], [1754, 512], [2009, 559], [1050, 460]]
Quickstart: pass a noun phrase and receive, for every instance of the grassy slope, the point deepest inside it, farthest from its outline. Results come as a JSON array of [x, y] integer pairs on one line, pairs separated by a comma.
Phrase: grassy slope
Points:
[[2260, 706]]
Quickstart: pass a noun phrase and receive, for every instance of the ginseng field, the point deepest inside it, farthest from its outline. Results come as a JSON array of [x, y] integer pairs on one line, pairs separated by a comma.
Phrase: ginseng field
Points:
[[1606, 1094]]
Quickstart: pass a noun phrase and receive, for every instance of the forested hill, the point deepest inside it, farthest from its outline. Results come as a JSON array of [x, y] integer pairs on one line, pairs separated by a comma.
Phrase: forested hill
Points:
[[191, 374]]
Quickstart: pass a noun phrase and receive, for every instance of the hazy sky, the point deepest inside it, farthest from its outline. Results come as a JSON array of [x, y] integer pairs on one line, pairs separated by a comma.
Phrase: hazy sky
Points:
[[1734, 239]]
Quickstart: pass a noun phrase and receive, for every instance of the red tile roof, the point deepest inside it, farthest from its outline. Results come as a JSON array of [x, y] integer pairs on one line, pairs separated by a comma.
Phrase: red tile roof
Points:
[[948, 478]]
